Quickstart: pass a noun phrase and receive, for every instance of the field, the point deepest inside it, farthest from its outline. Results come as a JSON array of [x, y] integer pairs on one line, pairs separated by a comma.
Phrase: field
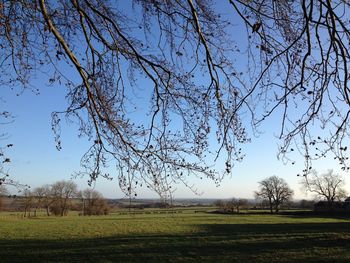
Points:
[[179, 237]]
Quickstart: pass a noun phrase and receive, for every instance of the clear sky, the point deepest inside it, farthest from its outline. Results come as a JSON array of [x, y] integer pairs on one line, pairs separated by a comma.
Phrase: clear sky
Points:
[[35, 160]]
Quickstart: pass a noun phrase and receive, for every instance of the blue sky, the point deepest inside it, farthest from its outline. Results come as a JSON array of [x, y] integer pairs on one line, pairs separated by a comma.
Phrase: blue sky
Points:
[[35, 160]]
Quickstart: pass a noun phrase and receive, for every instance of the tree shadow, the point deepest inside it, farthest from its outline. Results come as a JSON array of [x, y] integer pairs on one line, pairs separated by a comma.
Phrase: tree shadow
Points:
[[307, 242], [317, 214]]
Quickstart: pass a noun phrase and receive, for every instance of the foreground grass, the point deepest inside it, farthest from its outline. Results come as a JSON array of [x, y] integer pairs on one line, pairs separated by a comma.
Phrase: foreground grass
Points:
[[187, 237]]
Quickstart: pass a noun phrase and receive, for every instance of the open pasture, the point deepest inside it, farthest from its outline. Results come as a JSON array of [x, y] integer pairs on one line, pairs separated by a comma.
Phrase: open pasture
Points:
[[174, 237]]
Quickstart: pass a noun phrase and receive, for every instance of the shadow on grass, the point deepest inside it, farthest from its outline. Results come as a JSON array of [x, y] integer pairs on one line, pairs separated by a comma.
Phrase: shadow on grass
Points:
[[317, 214], [309, 242], [294, 213]]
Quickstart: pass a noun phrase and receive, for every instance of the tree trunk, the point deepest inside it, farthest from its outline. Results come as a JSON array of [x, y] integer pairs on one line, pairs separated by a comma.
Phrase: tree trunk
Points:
[[330, 205], [277, 208], [271, 207], [48, 210], [84, 208]]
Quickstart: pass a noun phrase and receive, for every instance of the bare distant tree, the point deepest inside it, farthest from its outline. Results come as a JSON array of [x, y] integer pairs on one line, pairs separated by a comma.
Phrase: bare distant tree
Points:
[[232, 206], [3, 192], [62, 192], [43, 198], [93, 203], [219, 204], [38, 195], [306, 204], [276, 191], [28, 202], [48, 198], [150, 82], [328, 186], [238, 203]]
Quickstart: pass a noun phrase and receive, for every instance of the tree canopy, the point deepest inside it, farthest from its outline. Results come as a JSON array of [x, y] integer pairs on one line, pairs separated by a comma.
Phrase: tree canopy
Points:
[[203, 91], [328, 186], [276, 191]]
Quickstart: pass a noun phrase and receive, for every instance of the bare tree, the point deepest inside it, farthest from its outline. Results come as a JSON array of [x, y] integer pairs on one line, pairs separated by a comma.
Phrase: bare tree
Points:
[[304, 60], [43, 198], [47, 197], [4, 176], [309, 204], [179, 57], [93, 203], [276, 191], [28, 202], [5, 179], [62, 192], [3, 192], [328, 186], [238, 203], [220, 204], [232, 206], [4, 159]]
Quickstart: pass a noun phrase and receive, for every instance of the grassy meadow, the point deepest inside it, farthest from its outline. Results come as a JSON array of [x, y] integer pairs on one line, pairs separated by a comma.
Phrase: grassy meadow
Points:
[[178, 237]]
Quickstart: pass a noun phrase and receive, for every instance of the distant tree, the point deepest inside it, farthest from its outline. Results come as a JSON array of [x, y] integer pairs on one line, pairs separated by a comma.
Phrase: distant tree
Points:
[[43, 198], [263, 203], [28, 201], [238, 203], [328, 186], [306, 203], [276, 191], [224, 206], [93, 203], [62, 192], [3, 192], [38, 197], [231, 206], [1, 203], [219, 204], [47, 199]]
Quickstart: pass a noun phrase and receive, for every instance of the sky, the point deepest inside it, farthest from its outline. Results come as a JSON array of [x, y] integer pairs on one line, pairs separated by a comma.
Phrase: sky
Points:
[[36, 161]]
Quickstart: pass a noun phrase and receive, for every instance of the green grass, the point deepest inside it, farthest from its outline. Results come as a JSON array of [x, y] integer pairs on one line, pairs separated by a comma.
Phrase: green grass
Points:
[[186, 237]]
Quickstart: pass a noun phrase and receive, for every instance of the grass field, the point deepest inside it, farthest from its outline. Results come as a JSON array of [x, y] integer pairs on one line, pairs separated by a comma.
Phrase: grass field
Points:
[[182, 237]]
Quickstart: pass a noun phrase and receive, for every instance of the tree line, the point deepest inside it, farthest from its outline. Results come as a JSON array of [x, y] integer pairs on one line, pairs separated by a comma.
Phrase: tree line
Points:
[[59, 198], [274, 192]]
